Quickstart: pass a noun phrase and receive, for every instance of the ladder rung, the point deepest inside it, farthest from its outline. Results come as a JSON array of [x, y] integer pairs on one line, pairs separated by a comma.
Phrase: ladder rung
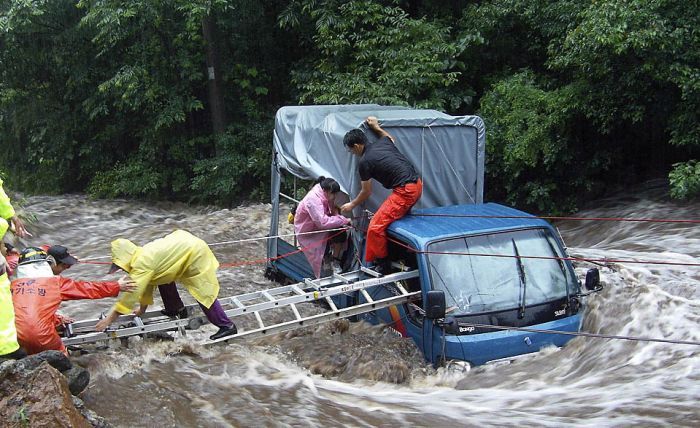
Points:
[[331, 304], [368, 298], [400, 287], [310, 284], [341, 278], [296, 311], [370, 272], [259, 318]]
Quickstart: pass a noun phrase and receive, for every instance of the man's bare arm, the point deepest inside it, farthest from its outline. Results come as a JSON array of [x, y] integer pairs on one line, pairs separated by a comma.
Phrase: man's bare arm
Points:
[[360, 198], [373, 124]]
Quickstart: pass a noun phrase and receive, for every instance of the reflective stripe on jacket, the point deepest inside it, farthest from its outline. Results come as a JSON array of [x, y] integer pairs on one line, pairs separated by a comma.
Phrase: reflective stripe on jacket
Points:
[[8, 332], [178, 257]]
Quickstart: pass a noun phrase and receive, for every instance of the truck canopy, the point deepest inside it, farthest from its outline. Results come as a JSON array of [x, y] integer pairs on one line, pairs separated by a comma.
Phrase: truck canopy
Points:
[[448, 151]]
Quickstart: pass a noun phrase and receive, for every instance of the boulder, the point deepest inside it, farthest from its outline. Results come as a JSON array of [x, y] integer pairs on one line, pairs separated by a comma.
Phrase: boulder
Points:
[[78, 379], [37, 397], [56, 359]]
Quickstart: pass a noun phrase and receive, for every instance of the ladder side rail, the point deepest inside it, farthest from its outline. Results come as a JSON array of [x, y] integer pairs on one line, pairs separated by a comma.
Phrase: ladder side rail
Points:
[[320, 318], [125, 332]]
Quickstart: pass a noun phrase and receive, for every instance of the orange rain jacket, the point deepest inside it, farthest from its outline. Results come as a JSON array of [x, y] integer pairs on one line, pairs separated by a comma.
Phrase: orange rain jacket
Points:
[[36, 301]]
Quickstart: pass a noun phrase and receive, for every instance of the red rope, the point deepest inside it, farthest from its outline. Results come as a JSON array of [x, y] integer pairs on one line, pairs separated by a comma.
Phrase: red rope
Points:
[[281, 256], [648, 220], [544, 257], [257, 261]]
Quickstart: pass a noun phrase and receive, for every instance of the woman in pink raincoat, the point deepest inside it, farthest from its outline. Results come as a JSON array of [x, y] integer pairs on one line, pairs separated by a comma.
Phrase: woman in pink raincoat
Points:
[[317, 212]]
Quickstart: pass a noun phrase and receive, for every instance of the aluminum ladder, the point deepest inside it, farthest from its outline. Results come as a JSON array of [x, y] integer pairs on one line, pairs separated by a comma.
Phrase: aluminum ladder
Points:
[[256, 303]]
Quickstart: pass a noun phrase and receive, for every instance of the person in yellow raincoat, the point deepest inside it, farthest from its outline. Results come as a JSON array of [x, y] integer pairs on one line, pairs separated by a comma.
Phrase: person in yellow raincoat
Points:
[[177, 257], [8, 216], [9, 347]]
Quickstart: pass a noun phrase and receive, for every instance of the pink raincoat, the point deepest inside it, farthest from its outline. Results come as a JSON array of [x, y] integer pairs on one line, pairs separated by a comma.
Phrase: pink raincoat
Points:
[[314, 213]]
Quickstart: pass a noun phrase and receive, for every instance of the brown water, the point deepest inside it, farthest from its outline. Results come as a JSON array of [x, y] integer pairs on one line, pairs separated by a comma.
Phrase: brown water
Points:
[[358, 375]]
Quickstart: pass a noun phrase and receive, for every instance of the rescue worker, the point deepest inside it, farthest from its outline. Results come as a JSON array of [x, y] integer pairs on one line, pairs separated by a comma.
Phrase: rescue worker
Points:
[[317, 212], [383, 162], [8, 216], [177, 257], [63, 259], [37, 294], [9, 347]]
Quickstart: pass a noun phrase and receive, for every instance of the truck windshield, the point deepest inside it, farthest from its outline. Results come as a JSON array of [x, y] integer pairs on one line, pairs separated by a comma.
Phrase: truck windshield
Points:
[[492, 277]]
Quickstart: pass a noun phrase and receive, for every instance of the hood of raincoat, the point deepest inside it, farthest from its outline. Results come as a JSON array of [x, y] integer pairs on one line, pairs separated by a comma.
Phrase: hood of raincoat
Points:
[[123, 252], [3, 227]]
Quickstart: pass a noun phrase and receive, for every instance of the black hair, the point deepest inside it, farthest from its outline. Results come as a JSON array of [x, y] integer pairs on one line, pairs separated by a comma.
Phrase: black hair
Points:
[[328, 184], [355, 136]]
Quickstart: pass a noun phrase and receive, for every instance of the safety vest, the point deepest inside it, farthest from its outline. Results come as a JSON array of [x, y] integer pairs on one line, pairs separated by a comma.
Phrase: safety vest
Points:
[[8, 332]]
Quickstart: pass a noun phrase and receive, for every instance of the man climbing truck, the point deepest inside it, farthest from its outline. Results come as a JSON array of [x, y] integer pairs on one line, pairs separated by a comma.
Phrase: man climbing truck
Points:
[[481, 267]]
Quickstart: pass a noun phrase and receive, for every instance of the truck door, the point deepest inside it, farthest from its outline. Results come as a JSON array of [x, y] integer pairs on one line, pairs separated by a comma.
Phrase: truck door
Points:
[[432, 341]]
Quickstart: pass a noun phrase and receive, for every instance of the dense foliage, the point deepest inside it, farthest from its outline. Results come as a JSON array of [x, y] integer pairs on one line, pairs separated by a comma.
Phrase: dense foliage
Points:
[[119, 99]]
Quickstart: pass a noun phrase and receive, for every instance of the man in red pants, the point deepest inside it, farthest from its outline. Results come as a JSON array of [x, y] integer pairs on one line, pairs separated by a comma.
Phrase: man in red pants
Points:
[[383, 162]]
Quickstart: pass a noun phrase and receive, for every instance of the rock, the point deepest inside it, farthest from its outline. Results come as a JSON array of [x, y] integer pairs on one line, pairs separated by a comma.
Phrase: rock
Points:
[[93, 418], [55, 358], [159, 335], [78, 379], [37, 397]]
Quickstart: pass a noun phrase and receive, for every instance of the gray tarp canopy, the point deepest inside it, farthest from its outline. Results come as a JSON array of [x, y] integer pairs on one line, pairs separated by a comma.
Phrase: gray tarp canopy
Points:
[[447, 150]]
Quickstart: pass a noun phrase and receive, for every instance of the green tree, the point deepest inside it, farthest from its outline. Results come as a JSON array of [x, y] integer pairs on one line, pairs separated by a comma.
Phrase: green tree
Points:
[[367, 52], [640, 61]]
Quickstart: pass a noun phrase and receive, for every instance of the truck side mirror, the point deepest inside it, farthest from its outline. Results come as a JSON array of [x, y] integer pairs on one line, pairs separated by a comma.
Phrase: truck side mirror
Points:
[[435, 305], [592, 279]]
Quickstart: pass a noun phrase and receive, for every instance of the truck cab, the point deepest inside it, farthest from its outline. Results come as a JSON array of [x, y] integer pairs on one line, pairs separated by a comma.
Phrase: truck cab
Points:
[[497, 267], [487, 273]]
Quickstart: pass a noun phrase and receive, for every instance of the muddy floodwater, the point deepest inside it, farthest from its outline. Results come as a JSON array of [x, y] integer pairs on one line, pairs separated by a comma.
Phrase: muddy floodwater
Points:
[[345, 374]]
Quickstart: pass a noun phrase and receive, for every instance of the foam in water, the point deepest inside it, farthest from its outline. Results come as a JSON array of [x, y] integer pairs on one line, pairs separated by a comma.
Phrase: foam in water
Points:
[[359, 376]]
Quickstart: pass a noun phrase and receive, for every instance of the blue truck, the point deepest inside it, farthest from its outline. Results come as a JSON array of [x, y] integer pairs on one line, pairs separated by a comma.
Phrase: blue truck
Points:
[[489, 275]]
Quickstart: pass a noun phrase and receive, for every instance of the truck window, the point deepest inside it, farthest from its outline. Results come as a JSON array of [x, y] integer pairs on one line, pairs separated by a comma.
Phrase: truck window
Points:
[[492, 278]]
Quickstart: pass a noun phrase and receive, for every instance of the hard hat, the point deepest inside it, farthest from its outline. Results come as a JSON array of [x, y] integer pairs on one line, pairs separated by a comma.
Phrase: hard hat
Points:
[[32, 255]]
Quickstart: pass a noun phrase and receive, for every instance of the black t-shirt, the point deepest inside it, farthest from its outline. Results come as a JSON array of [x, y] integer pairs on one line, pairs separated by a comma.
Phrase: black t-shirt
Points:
[[382, 161]]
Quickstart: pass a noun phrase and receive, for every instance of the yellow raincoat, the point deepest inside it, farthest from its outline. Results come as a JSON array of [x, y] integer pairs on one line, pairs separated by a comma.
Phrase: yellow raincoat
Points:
[[6, 211], [8, 332], [178, 257]]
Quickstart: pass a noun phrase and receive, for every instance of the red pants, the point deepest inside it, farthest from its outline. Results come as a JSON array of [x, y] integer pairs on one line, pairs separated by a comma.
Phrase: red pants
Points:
[[394, 207]]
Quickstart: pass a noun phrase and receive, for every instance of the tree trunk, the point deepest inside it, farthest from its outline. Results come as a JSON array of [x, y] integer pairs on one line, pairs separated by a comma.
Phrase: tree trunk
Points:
[[216, 98]]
